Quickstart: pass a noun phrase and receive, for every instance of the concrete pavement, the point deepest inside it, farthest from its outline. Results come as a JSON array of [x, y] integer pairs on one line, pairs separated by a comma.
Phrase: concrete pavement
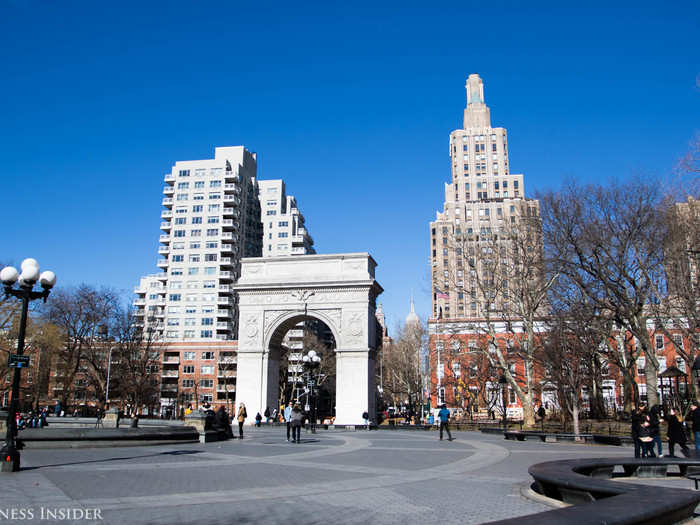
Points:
[[383, 477]]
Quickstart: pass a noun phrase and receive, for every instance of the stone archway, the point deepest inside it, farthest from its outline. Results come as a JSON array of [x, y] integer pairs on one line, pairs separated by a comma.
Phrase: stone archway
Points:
[[340, 290]]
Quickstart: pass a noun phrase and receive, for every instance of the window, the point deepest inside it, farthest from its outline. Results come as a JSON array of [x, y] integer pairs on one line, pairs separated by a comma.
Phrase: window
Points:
[[177, 258], [184, 173], [190, 321], [183, 185], [272, 212], [282, 235], [195, 245], [195, 233], [209, 284], [678, 342], [171, 334], [640, 366], [207, 369], [283, 224], [207, 355], [210, 257], [182, 196], [212, 232], [213, 220], [208, 398], [175, 297], [215, 184], [180, 220], [206, 334], [173, 322], [188, 383], [194, 258], [174, 310], [199, 184], [196, 220], [198, 197], [188, 356], [176, 271], [659, 342], [198, 208], [178, 246], [207, 321], [192, 271], [206, 383], [212, 244], [181, 209], [189, 333], [179, 233], [215, 195], [210, 270], [213, 207], [188, 369], [456, 369]]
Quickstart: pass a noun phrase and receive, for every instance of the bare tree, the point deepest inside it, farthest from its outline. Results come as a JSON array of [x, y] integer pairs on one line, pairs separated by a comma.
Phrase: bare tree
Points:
[[608, 242], [402, 368]]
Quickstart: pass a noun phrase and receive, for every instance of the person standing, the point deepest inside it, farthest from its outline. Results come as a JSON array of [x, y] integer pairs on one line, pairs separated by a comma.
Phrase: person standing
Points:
[[267, 414], [655, 427], [676, 434], [258, 419], [242, 414], [646, 439], [695, 419], [297, 420], [444, 416], [365, 416], [288, 418], [637, 420]]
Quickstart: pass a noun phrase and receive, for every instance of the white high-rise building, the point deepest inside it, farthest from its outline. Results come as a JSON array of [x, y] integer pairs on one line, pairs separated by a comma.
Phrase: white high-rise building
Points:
[[284, 232], [210, 221], [484, 202]]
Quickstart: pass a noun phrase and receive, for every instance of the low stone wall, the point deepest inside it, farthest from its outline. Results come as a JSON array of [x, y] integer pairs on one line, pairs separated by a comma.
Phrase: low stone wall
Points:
[[104, 437]]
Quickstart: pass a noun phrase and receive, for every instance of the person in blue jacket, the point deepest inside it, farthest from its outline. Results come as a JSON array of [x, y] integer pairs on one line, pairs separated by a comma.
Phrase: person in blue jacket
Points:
[[444, 416]]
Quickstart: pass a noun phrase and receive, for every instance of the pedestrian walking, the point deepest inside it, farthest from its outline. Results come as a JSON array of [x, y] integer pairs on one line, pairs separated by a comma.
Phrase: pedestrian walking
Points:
[[288, 418], [242, 414], [365, 416], [541, 414], [267, 414], [297, 420], [258, 419], [444, 416], [675, 433], [655, 427], [223, 421], [695, 420]]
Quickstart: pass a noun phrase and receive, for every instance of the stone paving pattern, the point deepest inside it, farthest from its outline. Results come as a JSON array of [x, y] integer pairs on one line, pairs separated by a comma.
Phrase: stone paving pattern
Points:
[[353, 477]]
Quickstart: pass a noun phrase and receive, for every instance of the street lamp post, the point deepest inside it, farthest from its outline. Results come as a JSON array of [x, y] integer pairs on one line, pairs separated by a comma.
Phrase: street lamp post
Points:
[[27, 279], [504, 383], [695, 370], [311, 362]]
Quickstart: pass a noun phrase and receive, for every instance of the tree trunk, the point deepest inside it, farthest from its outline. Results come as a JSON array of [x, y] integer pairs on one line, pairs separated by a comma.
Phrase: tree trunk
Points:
[[574, 417], [630, 396], [651, 377]]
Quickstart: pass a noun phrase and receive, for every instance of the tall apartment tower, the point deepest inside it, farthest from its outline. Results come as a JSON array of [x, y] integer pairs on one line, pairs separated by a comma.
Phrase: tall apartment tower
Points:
[[284, 232], [211, 219], [483, 200]]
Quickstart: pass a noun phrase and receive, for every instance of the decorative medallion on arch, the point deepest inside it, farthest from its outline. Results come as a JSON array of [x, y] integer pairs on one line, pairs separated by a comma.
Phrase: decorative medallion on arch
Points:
[[276, 293]]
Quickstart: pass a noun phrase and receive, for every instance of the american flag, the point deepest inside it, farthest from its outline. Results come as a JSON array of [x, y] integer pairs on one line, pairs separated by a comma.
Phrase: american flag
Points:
[[441, 295]]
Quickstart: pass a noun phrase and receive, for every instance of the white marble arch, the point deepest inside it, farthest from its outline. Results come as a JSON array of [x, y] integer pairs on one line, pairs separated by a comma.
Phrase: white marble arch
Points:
[[338, 289]]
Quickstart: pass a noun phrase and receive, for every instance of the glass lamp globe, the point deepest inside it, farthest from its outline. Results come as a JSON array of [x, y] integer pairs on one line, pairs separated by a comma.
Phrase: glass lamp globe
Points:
[[312, 354], [9, 275], [47, 279], [27, 263], [317, 359], [29, 275], [305, 359]]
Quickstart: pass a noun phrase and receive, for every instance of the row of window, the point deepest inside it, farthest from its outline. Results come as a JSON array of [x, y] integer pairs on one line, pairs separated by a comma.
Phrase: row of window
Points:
[[176, 285], [198, 184], [192, 298], [206, 309], [208, 270], [174, 334], [190, 321], [214, 219], [201, 172], [195, 257], [196, 196], [211, 232], [196, 245], [197, 208]]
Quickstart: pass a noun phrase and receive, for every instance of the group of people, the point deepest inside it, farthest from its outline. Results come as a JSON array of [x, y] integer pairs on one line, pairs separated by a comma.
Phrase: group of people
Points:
[[33, 420], [646, 430], [221, 417]]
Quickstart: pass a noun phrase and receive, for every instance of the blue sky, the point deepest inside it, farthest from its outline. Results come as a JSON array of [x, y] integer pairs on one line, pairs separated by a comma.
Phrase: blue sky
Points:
[[350, 103]]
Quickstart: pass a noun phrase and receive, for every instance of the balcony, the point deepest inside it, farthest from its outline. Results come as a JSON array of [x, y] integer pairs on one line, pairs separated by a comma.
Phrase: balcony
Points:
[[225, 301], [170, 373], [226, 275], [168, 202], [160, 313], [169, 177], [224, 337], [166, 214], [225, 288], [140, 302], [230, 211], [139, 313], [231, 388], [227, 236], [229, 223], [165, 225], [226, 248], [164, 238], [231, 177], [228, 360], [224, 326], [226, 261], [168, 190], [232, 199], [168, 388], [232, 188], [223, 313], [163, 250], [163, 263], [171, 360]]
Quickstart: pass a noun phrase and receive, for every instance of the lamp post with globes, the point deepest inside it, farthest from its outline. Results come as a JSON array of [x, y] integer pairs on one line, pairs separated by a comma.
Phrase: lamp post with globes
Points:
[[9, 455], [311, 362]]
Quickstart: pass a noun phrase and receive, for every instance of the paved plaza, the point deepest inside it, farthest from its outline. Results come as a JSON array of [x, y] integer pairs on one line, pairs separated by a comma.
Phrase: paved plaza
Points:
[[383, 477]]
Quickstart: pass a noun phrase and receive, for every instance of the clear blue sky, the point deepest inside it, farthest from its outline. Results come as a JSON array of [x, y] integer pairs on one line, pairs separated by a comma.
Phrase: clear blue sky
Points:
[[352, 106]]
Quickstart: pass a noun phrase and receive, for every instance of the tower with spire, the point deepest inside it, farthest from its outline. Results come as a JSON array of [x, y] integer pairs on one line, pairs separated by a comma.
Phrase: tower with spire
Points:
[[412, 318], [483, 200]]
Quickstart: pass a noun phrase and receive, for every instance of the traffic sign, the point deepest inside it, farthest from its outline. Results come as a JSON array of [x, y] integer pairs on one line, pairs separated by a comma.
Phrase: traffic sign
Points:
[[18, 361]]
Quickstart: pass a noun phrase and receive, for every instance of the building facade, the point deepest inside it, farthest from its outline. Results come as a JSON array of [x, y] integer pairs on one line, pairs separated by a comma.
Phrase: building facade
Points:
[[284, 232], [484, 203]]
